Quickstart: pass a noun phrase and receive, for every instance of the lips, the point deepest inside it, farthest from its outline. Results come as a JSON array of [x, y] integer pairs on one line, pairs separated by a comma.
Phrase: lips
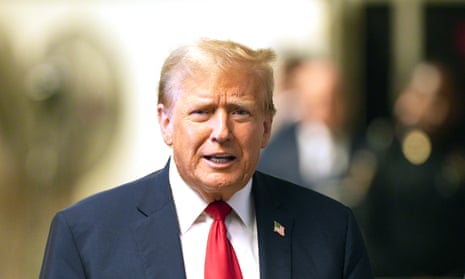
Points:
[[220, 158]]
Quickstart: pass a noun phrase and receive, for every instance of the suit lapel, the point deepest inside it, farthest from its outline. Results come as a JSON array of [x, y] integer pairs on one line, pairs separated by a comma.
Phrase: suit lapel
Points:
[[157, 235], [274, 246]]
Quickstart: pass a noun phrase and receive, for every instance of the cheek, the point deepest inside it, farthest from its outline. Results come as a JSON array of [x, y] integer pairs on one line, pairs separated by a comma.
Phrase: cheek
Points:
[[189, 136], [251, 138]]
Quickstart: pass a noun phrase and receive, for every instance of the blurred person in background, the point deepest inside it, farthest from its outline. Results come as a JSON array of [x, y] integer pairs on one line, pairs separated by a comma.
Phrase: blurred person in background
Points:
[[413, 216], [283, 96], [313, 146], [215, 111]]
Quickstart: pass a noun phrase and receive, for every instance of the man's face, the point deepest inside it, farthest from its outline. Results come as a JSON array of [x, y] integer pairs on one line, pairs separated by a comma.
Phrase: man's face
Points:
[[216, 127]]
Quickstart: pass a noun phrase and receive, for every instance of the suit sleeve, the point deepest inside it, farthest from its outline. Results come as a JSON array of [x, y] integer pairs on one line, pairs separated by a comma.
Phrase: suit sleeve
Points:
[[61, 259], [356, 263]]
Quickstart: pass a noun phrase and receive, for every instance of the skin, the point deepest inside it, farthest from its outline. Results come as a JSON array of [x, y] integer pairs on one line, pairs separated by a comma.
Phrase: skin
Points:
[[216, 126], [317, 84]]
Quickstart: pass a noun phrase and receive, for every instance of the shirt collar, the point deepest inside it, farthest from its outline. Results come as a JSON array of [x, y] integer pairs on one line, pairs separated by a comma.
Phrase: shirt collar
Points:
[[190, 205]]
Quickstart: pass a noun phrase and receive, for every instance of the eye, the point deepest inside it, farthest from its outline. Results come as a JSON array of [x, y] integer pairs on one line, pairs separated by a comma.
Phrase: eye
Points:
[[199, 115], [200, 111], [241, 114]]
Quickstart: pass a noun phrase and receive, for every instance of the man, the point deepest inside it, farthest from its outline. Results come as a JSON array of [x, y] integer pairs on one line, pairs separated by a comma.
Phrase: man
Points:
[[215, 111], [314, 147]]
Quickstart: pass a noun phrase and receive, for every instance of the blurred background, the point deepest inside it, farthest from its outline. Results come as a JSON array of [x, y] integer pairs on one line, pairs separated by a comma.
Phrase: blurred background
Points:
[[369, 91]]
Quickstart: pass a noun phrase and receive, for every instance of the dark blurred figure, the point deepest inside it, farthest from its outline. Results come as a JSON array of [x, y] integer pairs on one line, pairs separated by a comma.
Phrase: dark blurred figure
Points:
[[414, 214], [283, 97], [313, 146]]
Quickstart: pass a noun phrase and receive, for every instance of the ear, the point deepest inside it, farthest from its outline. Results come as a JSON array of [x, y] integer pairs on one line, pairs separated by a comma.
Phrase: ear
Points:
[[267, 124], [165, 123]]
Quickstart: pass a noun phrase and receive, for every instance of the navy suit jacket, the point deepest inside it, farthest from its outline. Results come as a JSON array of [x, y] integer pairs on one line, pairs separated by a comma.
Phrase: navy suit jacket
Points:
[[283, 145], [132, 231]]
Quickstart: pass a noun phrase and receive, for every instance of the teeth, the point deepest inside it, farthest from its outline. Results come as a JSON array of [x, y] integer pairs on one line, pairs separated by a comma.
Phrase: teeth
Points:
[[220, 158]]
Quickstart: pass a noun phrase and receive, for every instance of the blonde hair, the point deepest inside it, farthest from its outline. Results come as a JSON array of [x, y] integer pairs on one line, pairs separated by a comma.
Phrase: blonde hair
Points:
[[215, 56]]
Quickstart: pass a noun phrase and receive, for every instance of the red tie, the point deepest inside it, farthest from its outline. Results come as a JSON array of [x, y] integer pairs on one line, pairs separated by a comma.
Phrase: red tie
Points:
[[220, 261]]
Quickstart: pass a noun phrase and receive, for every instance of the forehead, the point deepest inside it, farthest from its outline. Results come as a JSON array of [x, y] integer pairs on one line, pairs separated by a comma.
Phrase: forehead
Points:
[[233, 85]]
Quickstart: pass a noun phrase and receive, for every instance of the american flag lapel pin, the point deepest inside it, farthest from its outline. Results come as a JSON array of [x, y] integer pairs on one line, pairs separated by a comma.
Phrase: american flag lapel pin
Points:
[[279, 229]]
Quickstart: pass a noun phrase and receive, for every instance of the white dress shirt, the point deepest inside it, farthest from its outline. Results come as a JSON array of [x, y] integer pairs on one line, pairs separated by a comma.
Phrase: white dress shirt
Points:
[[195, 225], [323, 158]]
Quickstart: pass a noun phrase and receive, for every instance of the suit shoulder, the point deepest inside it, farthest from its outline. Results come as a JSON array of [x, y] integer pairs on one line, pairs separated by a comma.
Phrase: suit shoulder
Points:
[[113, 200], [283, 139], [304, 199]]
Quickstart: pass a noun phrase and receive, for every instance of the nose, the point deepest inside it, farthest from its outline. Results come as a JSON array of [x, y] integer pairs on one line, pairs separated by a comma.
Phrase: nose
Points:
[[220, 130]]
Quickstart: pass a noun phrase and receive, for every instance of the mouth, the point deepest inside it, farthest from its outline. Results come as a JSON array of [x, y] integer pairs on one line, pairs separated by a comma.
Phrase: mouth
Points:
[[220, 158]]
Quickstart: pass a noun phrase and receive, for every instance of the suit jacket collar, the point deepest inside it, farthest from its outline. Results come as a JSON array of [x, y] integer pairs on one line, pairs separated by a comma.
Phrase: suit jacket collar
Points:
[[271, 213], [157, 235]]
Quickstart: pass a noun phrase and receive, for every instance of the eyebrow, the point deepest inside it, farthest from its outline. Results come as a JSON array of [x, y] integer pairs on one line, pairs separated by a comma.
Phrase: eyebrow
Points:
[[231, 100]]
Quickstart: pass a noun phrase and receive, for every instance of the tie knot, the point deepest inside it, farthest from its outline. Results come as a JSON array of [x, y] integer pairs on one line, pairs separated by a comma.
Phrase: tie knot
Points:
[[218, 210]]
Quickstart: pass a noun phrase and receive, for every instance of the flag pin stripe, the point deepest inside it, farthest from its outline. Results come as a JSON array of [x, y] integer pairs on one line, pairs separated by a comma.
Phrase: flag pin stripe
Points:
[[279, 229]]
